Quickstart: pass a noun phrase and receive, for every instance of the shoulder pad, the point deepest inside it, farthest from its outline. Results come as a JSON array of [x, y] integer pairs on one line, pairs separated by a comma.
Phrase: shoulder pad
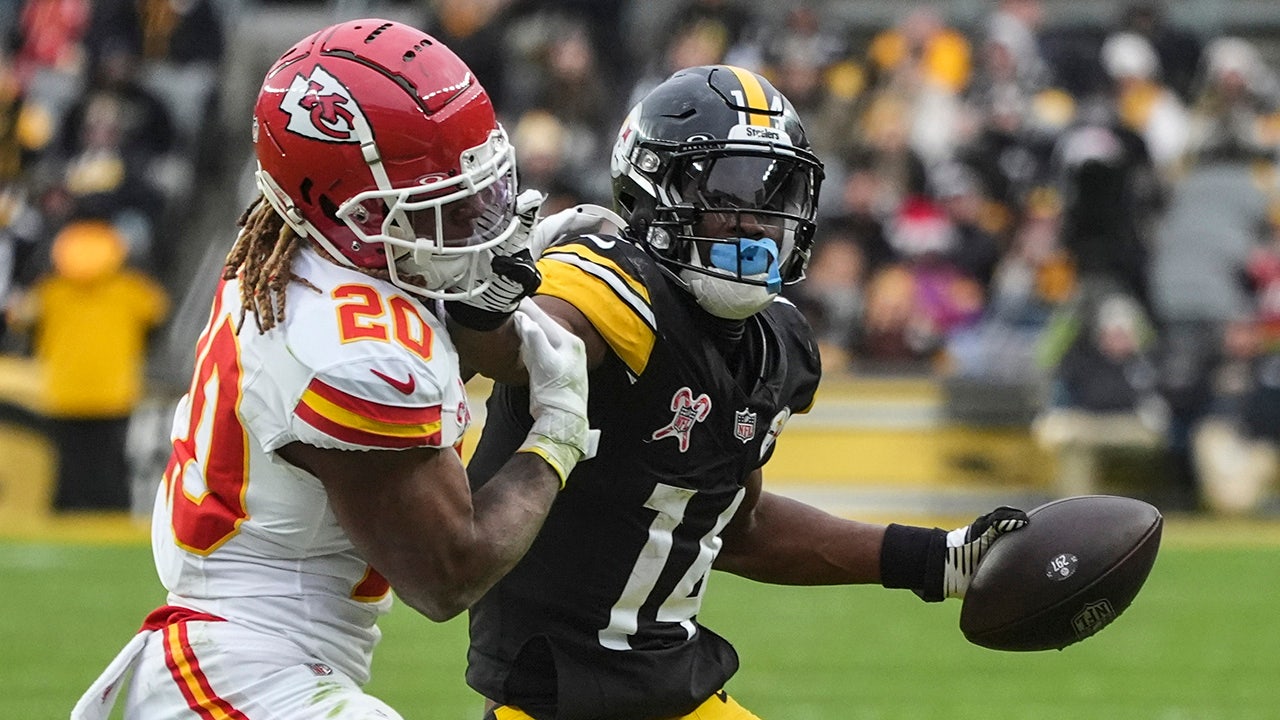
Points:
[[805, 361], [380, 403], [358, 365], [598, 274]]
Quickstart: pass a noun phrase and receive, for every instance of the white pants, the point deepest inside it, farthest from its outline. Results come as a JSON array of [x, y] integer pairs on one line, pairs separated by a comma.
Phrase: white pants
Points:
[[220, 671]]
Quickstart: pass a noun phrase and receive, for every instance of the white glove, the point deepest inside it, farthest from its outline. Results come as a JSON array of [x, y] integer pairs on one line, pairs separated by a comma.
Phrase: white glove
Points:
[[966, 545], [557, 363], [582, 219], [514, 275]]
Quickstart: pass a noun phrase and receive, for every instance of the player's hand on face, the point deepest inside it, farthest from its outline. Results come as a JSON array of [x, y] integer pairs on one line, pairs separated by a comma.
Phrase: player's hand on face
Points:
[[556, 361], [966, 545], [515, 272]]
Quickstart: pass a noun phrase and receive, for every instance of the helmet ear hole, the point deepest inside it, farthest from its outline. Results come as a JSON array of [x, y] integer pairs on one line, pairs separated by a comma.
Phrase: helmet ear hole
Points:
[[328, 207], [638, 216]]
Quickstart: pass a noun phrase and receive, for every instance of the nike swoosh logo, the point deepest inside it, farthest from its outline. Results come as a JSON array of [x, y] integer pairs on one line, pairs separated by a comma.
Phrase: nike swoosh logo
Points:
[[404, 386]]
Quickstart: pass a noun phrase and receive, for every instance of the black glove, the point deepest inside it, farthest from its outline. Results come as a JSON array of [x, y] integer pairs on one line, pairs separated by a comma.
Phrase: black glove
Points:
[[514, 275], [966, 545], [936, 564]]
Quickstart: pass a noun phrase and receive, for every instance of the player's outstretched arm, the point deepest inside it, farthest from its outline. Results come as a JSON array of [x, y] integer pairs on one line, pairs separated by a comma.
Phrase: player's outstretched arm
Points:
[[776, 539], [779, 540]]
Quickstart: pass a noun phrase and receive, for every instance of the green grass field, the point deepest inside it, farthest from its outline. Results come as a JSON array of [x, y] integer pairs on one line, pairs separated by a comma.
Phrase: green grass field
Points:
[[1202, 642]]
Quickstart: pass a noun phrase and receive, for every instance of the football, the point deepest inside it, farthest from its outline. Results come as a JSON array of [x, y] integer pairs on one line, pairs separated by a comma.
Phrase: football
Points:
[[1069, 573]]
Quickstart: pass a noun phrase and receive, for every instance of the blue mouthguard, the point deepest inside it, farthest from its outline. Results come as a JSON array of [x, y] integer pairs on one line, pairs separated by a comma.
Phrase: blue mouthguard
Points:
[[749, 257]]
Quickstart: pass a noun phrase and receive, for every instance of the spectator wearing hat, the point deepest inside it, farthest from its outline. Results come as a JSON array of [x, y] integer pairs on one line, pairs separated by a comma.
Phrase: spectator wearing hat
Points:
[[1143, 102], [90, 319], [917, 302], [1235, 108]]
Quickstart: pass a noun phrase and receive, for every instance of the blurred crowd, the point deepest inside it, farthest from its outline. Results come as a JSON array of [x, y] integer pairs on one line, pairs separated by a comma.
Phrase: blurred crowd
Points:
[[104, 122], [1093, 210]]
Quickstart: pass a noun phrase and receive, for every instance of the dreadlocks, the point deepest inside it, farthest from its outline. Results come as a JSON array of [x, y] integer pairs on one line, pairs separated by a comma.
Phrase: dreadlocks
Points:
[[261, 258]]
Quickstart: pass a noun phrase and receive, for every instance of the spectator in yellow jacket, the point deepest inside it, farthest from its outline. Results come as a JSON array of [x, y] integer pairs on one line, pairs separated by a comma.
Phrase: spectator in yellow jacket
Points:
[[91, 316]]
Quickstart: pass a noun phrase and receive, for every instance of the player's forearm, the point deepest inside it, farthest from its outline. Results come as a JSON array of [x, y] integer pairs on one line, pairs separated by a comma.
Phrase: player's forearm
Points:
[[411, 515], [511, 507], [508, 512], [787, 542], [493, 353]]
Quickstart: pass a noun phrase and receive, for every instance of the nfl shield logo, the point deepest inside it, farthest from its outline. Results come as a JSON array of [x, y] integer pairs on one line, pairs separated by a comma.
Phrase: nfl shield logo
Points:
[[744, 425], [1093, 617]]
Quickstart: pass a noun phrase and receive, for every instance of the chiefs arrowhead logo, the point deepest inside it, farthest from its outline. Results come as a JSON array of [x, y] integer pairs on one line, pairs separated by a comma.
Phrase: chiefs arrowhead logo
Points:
[[321, 108]]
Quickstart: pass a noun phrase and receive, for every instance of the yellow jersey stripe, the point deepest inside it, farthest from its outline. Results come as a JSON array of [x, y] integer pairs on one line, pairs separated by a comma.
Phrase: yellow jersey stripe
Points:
[[753, 91], [342, 416], [607, 302], [625, 279], [195, 689], [620, 285]]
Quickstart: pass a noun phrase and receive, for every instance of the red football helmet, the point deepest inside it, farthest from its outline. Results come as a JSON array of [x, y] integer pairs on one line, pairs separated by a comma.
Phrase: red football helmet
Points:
[[376, 142]]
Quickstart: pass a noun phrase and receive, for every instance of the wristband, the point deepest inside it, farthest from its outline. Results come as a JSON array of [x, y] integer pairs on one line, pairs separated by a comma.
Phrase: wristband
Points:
[[551, 459], [474, 318], [914, 558], [562, 457]]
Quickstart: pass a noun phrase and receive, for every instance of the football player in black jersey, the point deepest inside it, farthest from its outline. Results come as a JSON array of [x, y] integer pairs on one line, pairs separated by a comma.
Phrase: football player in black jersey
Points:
[[696, 366]]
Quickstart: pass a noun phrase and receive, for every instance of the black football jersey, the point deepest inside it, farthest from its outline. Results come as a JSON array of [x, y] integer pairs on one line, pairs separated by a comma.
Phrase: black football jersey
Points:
[[599, 619]]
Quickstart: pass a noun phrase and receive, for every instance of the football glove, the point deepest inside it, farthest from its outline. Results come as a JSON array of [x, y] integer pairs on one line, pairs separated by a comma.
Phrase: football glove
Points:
[[578, 220], [556, 361], [514, 276], [936, 564], [966, 545]]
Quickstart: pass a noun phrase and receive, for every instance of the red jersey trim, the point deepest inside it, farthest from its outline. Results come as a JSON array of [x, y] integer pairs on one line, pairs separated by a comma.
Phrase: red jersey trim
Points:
[[190, 679], [169, 614], [363, 422]]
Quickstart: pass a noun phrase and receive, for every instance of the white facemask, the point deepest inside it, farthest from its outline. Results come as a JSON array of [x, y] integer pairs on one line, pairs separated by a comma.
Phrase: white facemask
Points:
[[727, 298], [443, 272]]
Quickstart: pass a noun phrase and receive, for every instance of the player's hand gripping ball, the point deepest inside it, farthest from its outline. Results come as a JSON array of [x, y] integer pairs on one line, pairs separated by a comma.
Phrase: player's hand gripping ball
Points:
[[1069, 573]]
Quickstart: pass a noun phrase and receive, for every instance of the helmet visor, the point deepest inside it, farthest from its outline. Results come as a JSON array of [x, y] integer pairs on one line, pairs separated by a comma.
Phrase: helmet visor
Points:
[[458, 220], [438, 230], [769, 183]]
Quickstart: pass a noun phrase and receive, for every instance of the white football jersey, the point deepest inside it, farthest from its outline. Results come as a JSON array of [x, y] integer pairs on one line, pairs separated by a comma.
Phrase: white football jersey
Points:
[[241, 534]]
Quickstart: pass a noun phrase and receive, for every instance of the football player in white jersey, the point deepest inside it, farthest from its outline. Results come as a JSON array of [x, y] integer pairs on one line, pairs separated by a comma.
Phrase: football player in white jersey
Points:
[[315, 462]]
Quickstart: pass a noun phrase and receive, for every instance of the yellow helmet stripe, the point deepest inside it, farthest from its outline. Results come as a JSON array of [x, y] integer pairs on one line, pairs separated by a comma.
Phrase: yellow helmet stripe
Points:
[[753, 91]]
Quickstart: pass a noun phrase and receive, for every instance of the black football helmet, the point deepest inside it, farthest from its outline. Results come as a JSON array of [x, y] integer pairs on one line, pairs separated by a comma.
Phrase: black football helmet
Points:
[[714, 174]]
